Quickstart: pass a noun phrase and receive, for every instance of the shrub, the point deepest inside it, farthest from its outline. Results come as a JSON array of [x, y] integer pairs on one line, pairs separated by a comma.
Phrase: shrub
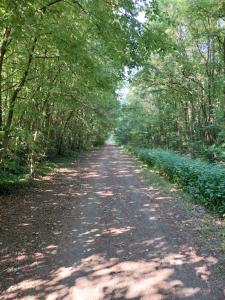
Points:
[[204, 181]]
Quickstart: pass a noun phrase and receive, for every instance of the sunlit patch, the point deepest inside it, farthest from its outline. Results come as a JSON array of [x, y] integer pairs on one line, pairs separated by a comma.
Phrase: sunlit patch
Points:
[[91, 175], [127, 175], [90, 241], [117, 231], [61, 273], [12, 292], [88, 232], [187, 292], [174, 259], [212, 260], [123, 172], [152, 241], [21, 257], [57, 232], [24, 224], [128, 279], [137, 171], [163, 198], [50, 247], [79, 194], [105, 193], [202, 272]]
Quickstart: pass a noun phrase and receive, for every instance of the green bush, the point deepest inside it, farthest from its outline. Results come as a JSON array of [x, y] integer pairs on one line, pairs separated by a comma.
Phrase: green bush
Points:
[[204, 181], [10, 182]]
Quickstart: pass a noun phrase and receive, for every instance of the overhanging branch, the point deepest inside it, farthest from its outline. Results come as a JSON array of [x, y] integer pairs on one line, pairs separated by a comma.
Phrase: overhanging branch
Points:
[[43, 8]]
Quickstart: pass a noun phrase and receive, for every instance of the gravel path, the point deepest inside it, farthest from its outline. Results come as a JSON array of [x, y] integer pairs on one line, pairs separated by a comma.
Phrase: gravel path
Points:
[[98, 231]]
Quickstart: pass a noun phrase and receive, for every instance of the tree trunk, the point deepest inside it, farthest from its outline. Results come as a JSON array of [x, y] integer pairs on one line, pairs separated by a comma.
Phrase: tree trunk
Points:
[[32, 156], [3, 49], [13, 98]]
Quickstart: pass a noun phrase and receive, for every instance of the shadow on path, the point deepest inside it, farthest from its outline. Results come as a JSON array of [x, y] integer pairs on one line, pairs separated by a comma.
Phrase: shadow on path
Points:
[[98, 232]]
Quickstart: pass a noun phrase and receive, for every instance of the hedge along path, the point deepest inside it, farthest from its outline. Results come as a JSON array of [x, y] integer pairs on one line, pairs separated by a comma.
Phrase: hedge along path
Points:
[[204, 181], [98, 232]]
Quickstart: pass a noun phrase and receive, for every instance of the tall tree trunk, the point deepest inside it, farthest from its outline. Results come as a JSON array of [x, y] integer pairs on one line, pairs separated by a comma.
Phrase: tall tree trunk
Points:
[[13, 98], [60, 141], [32, 155], [3, 49]]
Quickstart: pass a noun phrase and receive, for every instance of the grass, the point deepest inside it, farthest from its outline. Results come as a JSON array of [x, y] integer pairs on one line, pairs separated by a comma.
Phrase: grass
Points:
[[10, 182], [58, 162]]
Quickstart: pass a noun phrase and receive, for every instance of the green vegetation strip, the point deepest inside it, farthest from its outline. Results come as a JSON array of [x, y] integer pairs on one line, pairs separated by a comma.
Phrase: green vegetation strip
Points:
[[12, 179], [205, 182]]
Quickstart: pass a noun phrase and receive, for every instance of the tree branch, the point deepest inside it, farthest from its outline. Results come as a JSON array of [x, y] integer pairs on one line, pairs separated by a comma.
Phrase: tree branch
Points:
[[43, 8], [81, 7]]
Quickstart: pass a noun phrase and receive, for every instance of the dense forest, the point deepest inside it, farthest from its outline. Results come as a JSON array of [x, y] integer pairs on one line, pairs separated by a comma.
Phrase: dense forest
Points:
[[177, 99], [173, 116], [60, 64]]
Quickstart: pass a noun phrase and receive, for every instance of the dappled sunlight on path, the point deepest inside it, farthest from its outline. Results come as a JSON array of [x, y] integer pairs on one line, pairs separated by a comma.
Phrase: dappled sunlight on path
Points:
[[98, 232]]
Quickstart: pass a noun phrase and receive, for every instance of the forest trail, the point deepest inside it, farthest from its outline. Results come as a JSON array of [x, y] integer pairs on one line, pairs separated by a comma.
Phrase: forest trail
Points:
[[98, 231]]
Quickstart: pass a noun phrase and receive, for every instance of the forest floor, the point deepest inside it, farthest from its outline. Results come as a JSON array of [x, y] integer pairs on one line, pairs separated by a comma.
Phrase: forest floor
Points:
[[100, 231]]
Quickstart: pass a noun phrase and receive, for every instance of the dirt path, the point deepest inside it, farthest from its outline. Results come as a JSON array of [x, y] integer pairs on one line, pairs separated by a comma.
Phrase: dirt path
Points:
[[99, 232]]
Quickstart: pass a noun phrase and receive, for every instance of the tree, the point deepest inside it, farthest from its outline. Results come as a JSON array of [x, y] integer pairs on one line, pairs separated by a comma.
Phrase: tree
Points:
[[60, 64], [180, 88]]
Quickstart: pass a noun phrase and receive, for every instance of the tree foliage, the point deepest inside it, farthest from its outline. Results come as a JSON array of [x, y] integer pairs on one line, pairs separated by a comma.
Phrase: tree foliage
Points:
[[60, 64], [177, 98]]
